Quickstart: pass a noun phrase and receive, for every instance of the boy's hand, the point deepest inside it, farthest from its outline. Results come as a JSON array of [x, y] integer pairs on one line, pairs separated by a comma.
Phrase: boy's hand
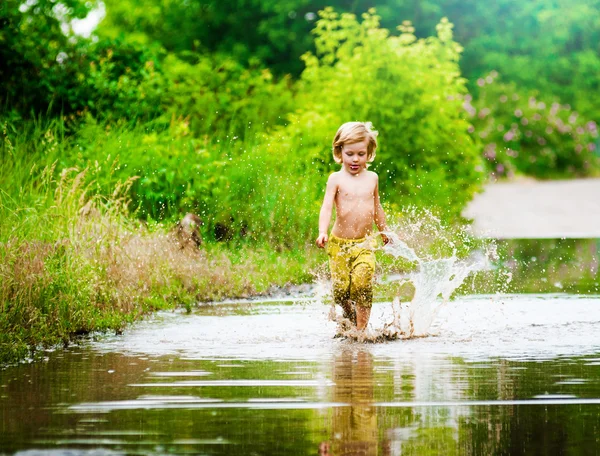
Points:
[[386, 240], [322, 239]]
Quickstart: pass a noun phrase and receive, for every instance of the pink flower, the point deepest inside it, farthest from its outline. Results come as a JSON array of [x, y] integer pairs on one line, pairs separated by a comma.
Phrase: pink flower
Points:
[[509, 135]]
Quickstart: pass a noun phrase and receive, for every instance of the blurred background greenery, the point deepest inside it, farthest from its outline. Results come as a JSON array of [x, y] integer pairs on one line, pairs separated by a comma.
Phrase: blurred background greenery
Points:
[[228, 108]]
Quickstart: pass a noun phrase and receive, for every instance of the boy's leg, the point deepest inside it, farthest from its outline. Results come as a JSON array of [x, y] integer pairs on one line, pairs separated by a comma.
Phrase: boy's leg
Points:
[[340, 277], [362, 317], [349, 310], [361, 287]]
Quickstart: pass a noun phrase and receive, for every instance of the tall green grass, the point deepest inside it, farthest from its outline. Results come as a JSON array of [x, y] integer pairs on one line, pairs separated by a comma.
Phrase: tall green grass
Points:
[[75, 259]]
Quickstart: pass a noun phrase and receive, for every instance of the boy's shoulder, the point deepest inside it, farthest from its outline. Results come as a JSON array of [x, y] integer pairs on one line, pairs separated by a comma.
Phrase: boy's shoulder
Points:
[[372, 175], [334, 176]]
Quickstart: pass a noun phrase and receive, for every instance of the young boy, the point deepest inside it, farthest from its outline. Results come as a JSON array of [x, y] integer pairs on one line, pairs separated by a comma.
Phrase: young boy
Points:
[[355, 192]]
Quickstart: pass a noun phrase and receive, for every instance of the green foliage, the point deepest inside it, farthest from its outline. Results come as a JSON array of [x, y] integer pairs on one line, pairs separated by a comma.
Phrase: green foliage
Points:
[[46, 69], [115, 83], [115, 79], [522, 134], [274, 31], [74, 261], [219, 96], [39, 64], [264, 183], [409, 89], [544, 45]]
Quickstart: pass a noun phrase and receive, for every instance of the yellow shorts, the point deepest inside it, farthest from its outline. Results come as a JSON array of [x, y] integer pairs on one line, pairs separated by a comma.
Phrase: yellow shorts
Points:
[[352, 264]]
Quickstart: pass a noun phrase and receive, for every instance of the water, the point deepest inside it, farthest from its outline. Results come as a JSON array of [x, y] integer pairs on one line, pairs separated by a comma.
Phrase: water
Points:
[[432, 278], [501, 375]]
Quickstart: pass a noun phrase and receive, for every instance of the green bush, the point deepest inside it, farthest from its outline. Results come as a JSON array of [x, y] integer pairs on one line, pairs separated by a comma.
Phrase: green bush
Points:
[[240, 187], [220, 96], [267, 185], [409, 89], [39, 64], [524, 135], [225, 149], [73, 260]]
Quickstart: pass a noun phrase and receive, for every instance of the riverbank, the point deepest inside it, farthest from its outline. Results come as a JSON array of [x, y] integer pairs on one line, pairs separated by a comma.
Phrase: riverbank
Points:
[[56, 292], [74, 264]]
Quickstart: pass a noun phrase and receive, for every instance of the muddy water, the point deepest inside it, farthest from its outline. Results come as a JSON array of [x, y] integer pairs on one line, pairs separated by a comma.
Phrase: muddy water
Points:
[[500, 374]]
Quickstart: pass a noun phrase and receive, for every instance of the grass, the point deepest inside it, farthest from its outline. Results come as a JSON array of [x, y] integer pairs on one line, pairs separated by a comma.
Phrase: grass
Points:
[[72, 262]]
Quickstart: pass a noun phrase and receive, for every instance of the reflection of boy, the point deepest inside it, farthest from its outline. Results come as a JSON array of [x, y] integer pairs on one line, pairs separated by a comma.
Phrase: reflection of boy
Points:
[[355, 192], [355, 427]]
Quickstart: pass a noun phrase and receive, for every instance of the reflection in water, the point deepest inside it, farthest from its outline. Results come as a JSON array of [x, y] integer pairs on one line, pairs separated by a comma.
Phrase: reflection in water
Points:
[[502, 376], [355, 426]]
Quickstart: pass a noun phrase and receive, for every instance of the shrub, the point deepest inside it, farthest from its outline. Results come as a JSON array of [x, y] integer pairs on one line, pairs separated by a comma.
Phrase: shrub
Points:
[[219, 96], [72, 262], [523, 134], [409, 89]]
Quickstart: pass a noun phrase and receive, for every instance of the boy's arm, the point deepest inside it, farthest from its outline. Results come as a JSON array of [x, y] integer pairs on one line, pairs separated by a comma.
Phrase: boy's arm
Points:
[[326, 209], [379, 213]]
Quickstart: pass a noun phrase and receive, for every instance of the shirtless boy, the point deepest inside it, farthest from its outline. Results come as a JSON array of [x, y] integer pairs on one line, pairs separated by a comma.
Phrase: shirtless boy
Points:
[[355, 193]]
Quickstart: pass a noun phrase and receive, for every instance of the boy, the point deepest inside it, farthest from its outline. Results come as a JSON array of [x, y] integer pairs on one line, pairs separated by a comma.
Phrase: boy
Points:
[[355, 192]]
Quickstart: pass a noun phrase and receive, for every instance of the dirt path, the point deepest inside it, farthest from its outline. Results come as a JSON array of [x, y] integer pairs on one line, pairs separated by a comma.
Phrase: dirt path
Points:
[[531, 209]]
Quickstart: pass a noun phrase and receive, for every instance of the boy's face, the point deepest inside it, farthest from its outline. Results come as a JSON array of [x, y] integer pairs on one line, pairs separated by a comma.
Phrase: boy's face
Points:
[[354, 157]]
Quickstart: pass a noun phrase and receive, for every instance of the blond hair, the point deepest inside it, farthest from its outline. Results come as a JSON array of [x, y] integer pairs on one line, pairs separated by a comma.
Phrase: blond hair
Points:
[[353, 132]]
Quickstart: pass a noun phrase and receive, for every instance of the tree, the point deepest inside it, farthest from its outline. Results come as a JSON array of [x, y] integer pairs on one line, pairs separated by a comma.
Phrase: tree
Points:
[[39, 63]]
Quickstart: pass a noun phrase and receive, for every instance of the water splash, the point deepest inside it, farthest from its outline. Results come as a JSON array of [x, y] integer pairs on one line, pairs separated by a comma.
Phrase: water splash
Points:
[[434, 281]]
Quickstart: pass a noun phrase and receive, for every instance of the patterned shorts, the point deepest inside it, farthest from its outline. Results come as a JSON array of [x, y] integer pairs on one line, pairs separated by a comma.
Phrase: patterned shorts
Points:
[[352, 264]]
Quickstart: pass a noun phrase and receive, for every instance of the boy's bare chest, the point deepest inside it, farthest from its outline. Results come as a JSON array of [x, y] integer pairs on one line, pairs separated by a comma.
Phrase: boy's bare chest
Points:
[[356, 190]]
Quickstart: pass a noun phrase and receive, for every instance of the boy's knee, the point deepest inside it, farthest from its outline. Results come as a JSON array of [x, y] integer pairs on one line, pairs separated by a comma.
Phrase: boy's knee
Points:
[[363, 297]]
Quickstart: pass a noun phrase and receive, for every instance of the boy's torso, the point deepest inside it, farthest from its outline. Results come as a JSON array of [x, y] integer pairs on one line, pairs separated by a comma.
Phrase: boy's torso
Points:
[[354, 205]]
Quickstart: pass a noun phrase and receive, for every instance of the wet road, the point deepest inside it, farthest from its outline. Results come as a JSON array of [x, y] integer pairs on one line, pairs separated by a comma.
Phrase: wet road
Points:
[[528, 209]]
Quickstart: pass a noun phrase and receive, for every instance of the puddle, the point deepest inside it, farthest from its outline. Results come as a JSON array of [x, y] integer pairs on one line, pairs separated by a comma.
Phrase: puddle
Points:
[[514, 371], [497, 373]]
